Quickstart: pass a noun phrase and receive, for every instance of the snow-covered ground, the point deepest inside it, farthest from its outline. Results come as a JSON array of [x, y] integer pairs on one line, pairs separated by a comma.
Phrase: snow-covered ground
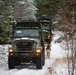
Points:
[[56, 65]]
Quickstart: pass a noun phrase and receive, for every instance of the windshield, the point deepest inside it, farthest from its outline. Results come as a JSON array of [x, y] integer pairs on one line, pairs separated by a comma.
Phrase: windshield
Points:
[[27, 32], [45, 26]]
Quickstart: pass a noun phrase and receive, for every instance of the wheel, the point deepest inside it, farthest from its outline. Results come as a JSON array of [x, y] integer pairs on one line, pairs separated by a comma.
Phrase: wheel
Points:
[[11, 63], [43, 62], [39, 62]]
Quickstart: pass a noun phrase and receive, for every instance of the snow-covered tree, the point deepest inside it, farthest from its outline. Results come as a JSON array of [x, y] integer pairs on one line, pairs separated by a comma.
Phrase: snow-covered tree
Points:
[[24, 10], [14, 10], [5, 12]]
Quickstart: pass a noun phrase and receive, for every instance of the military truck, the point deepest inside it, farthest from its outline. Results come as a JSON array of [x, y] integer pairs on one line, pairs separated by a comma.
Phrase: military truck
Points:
[[47, 28], [27, 45]]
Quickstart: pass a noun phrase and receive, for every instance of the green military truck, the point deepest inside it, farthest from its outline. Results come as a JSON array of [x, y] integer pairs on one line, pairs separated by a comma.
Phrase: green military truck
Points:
[[27, 45], [47, 28]]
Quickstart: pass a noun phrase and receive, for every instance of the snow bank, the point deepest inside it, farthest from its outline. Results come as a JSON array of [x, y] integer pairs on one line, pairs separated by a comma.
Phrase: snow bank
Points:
[[3, 54], [56, 49]]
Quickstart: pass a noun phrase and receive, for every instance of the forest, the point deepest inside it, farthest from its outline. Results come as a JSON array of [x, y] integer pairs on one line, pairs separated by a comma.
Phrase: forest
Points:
[[62, 13]]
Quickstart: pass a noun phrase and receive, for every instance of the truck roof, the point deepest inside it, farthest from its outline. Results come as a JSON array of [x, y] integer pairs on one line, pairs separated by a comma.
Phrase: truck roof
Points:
[[44, 19], [27, 24]]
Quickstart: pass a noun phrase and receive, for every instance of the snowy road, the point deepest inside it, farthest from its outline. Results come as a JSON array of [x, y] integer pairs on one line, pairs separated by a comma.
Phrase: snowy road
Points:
[[31, 70], [53, 66]]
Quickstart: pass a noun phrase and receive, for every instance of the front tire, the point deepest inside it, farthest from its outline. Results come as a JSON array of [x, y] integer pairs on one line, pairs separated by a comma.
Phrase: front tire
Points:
[[39, 62], [43, 62], [11, 63]]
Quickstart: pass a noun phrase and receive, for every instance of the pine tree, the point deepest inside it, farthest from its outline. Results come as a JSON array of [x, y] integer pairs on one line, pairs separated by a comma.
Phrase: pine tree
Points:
[[24, 10], [5, 12], [14, 10]]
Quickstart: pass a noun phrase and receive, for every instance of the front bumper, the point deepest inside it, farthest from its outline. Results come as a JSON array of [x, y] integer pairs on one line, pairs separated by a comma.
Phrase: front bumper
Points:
[[25, 56]]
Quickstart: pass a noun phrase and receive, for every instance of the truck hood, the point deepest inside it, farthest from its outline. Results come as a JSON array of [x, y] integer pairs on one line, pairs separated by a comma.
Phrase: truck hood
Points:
[[29, 39]]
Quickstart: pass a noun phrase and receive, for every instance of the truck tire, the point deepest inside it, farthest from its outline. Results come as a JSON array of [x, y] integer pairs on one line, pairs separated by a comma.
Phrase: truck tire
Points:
[[43, 62], [11, 63], [39, 62]]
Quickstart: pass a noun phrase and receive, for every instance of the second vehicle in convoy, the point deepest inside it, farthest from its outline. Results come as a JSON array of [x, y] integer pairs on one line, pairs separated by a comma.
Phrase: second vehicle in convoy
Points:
[[47, 28]]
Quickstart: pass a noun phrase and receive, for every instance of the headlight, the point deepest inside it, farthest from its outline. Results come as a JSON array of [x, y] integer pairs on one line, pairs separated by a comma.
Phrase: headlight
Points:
[[38, 50], [10, 50], [48, 36]]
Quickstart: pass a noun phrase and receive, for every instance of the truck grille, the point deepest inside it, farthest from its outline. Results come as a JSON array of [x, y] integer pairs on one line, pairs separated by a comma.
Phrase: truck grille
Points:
[[24, 46]]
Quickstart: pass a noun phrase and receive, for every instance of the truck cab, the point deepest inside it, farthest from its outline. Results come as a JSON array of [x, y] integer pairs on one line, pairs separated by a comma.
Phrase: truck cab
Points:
[[47, 28], [27, 45]]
